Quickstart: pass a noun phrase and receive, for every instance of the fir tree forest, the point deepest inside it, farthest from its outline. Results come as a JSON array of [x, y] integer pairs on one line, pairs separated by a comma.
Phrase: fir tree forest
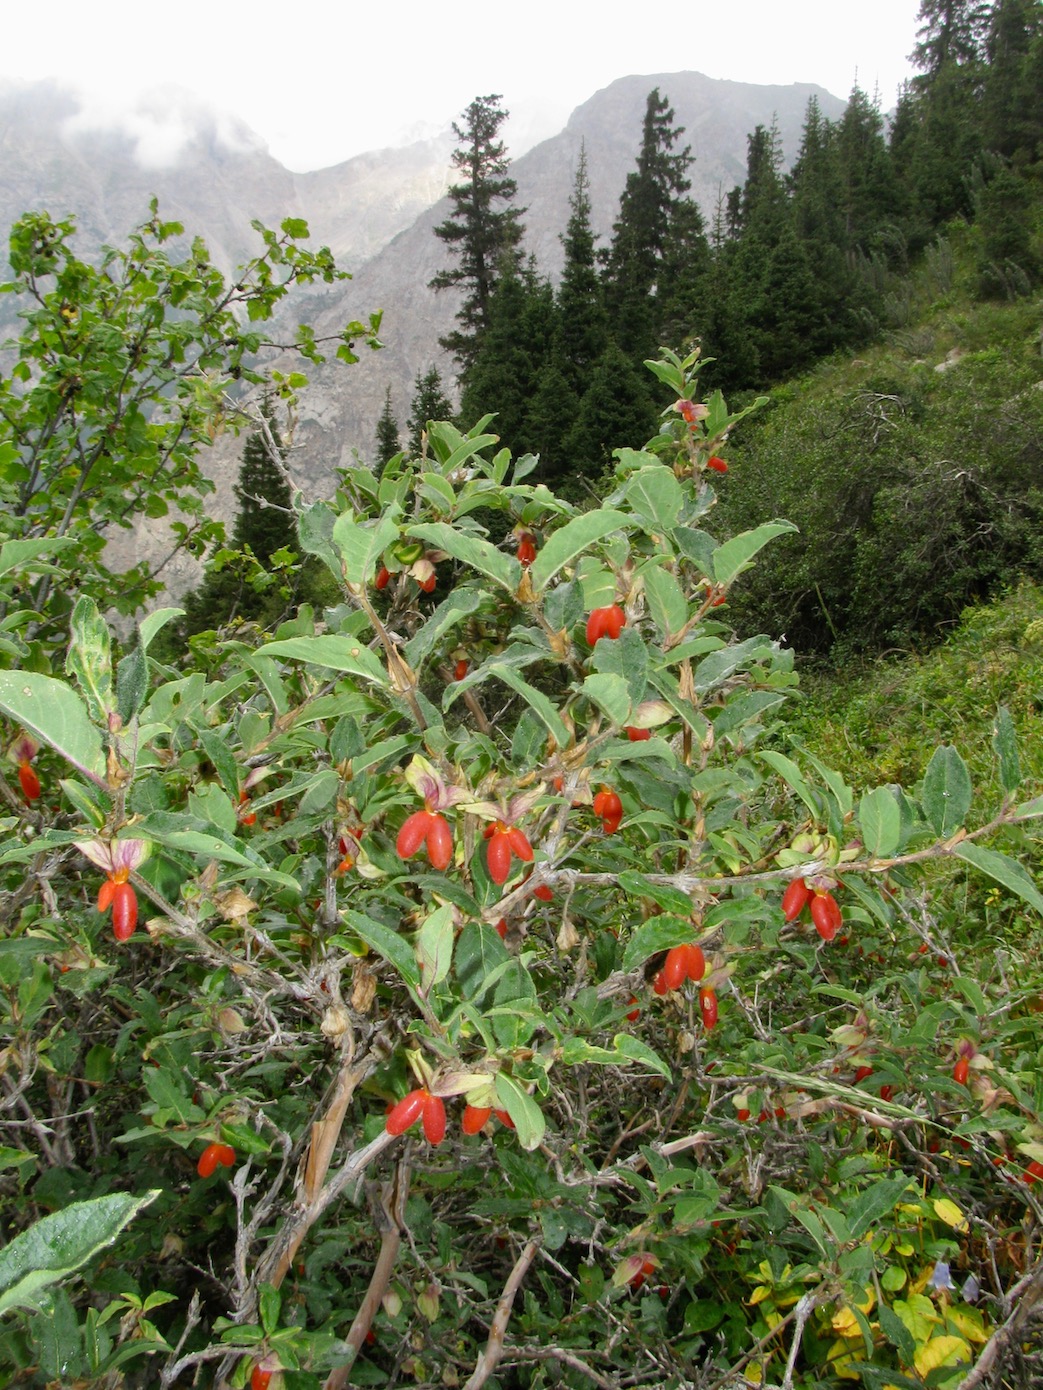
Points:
[[562, 909]]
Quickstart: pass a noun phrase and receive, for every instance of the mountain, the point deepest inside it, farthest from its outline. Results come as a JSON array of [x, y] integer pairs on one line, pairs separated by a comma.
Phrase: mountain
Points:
[[376, 212]]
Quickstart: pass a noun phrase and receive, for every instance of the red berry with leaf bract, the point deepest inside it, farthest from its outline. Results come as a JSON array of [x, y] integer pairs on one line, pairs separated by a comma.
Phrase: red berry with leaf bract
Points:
[[414, 832], [260, 1379], [439, 843], [708, 1007], [961, 1071], [475, 1117], [605, 622], [434, 1119], [526, 550]]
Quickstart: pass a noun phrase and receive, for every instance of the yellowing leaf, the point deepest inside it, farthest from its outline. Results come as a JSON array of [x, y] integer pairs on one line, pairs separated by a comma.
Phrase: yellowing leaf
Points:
[[968, 1321], [844, 1323], [950, 1213], [918, 1314], [759, 1295], [841, 1362], [941, 1351]]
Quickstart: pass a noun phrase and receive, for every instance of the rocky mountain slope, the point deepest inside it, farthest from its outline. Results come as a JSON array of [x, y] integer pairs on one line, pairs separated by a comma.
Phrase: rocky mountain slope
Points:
[[375, 211]]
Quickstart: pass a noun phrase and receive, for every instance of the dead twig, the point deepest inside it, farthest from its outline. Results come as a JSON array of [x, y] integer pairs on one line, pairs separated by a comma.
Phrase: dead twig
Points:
[[494, 1346]]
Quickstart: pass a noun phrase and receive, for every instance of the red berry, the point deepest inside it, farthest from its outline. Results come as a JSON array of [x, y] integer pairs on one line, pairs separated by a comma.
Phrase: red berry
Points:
[[886, 1092], [708, 1007], [214, 1156], [519, 843], [794, 898], [605, 622], [608, 806], [498, 857], [695, 962], [718, 465], [742, 1116], [460, 669], [439, 843], [434, 1119], [383, 576], [260, 1379], [863, 1074], [475, 1117], [526, 550], [29, 781], [1033, 1172], [504, 1118], [544, 893], [414, 832], [501, 928], [826, 915], [637, 735], [960, 1071], [659, 984], [675, 968], [246, 816], [106, 893], [634, 1014], [124, 911], [407, 1111], [428, 584]]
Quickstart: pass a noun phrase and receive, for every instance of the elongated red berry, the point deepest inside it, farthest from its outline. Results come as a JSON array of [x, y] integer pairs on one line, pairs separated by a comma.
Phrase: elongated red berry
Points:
[[717, 464], [498, 857], [826, 915], [439, 843], [106, 893], [794, 899], [675, 967], [428, 584], [406, 1113], [863, 1074], [260, 1379], [414, 832], [961, 1071], [213, 1157], [30, 783], [124, 911], [637, 735], [504, 1118], [383, 576], [605, 622], [519, 843], [695, 962], [434, 1119], [608, 806], [526, 550], [474, 1118], [659, 984], [708, 1007]]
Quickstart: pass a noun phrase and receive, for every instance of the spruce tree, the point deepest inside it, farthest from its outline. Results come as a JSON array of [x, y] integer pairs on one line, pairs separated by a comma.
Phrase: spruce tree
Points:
[[1012, 114], [482, 234], [641, 242], [583, 329], [387, 443], [429, 403]]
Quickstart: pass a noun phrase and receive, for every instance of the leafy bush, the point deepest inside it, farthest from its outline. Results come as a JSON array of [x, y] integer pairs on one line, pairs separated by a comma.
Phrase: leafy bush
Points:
[[464, 1038]]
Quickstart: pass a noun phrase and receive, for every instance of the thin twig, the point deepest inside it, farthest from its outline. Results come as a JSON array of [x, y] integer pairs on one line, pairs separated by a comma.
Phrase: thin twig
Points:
[[1031, 1291], [494, 1346]]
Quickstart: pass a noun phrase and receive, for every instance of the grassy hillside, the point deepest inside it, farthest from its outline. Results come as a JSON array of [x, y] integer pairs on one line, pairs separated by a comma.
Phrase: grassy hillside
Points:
[[914, 470]]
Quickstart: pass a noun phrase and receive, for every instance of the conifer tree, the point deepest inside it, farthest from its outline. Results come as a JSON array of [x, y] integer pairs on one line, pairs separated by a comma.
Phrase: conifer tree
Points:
[[583, 329], [429, 403], [648, 219], [1012, 114], [387, 444], [483, 230]]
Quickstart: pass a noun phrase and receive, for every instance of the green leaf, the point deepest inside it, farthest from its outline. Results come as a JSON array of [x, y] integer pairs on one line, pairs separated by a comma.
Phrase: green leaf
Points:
[[1007, 872], [57, 1245], [881, 822], [736, 555], [571, 540], [610, 694], [153, 622], [523, 1110], [53, 713], [1005, 746], [479, 953], [19, 554], [874, 1204], [335, 652], [131, 683], [793, 777], [666, 602], [655, 495], [896, 1332], [315, 533], [946, 795], [387, 943], [460, 604], [206, 846], [538, 702], [634, 1050], [434, 947], [472, 551], [361, 546], [90, 658]]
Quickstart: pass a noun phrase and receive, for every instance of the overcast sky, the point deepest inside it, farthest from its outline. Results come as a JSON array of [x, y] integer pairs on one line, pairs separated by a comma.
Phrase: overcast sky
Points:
[[322, 80]]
